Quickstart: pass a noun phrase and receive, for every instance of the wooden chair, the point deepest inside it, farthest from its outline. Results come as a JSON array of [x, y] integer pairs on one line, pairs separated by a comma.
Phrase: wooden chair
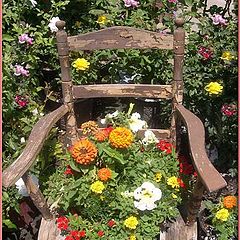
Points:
[[114, 38]]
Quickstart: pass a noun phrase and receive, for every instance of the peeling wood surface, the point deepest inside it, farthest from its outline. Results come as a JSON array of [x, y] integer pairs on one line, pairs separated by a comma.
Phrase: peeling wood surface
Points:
[[122, 90], [35, 142], [178, 230], [209, 176], [120, 38]]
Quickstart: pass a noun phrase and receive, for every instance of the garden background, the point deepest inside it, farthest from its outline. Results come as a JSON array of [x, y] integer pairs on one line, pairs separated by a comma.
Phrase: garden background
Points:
[[31, 71]]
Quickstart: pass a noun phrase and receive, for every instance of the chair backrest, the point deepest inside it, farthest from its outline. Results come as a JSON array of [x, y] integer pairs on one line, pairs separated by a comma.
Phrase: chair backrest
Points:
[[120, 37]]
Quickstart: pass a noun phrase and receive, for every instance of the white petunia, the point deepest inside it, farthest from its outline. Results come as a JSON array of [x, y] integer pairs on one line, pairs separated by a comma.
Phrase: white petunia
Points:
[[22, 190], [149, 138], [135, 123], [22, 140], [52, 24], [146, 195], [35, 112]]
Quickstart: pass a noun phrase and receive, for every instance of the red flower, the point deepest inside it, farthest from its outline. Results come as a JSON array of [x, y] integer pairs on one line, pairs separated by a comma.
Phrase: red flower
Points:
[[181, 183], [111, 223], [69, 238], [77, 235], [108, 129], [21, 101], [185, 167], [165, 146], [206, 53], [229, 110], [82, 233], [62, 223], [68, 171], [100, 233]]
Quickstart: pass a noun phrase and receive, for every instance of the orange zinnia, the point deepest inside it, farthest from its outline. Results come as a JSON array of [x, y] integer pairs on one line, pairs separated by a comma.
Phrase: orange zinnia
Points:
[[104, 174], [84, 152], [89, 127], [229, 201], [101, 135], [121, 137]]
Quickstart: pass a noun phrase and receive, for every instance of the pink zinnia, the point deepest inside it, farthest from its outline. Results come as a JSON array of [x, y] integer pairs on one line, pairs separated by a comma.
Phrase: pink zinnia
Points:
[[219, 20], [206, 53], [229, 110], [21, 101], [20, 70], [131, 3]]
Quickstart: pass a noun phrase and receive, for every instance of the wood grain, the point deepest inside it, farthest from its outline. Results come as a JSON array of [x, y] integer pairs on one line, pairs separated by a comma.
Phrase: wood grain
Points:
[[120, 37], [209, 176], [123, 90], [35, 142]]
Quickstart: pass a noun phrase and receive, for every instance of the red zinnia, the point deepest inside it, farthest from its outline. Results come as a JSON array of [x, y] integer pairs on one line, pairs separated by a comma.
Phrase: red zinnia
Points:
[[185, 167], [69, 238], [100, 233], [62, 223], [165, 146], [111, 223], [68, 170]]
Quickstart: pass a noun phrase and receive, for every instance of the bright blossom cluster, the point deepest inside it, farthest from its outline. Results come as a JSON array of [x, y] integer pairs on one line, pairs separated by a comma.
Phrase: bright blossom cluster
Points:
[[205, 52], [21, 101], [131, 3], [229, 110], [219, 20], [24, 38], [20, 70]]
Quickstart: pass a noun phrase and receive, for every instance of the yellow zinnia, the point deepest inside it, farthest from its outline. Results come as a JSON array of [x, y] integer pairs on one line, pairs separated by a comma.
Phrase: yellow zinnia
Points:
[[102, 20], [131, 222], [214, 88], [227, 56], [81, 64], [121, 137], [173, 182], [222, 214], [97, 187]]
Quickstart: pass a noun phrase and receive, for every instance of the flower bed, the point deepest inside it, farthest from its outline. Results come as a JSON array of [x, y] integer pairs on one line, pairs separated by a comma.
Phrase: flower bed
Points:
[[114, 185]]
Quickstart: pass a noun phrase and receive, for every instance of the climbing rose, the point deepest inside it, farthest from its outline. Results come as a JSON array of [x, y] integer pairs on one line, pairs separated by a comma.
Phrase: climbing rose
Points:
[[229, 110], [21, 101], [219, 20], [131, 3], [20, 70], [206, 53]]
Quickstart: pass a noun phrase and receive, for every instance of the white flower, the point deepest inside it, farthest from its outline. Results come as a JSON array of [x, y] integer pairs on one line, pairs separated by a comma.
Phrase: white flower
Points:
[[33, 2], [22, 140], [135, 123], [35, 112], [146, 196], [22, 190], [149, 138], [109, 116], [52, 24]]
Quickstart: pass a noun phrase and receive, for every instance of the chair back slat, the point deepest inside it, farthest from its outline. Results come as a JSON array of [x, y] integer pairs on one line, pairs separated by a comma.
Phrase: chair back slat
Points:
[[120, 38], [122, 90]]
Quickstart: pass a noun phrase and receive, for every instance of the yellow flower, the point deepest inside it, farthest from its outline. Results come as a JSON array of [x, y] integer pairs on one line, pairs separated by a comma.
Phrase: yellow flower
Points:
[[222, 214], [227, 56], [97, 187], [173, 182], [158, 177], [174, 196], [81, 64], [121, 137], [214, 88], [131, 222], [102, 20], [132, 237]]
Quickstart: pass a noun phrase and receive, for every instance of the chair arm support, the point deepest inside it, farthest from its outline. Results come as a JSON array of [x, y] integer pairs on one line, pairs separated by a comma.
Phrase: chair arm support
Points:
[[34, 145], [208, 175]]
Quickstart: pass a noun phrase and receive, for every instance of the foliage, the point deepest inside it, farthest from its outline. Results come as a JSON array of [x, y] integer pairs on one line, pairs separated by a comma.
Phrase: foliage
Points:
[[223, 219]]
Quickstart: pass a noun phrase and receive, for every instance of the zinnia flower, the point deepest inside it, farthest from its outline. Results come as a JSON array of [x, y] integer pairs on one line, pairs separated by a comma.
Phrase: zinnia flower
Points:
[[173, 182], [104, 174], [97, 187], [227, 56], [102, 20], [84, 152], [68, 171], [81, 64], [165, 146], [89, 127], [214, 88], [121, 137], [131, 222], [62, 223], [222, 214], [52, 24], [131, 3], [101, 135], [146, 196], [229, 110], [230, 202], [219, 20]]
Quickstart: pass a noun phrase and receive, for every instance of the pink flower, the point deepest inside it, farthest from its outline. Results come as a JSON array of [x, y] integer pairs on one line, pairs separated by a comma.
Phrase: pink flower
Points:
[[24, 38], [206, 53], [131, 3], [21, 101], [229, 109], [172, 1], [20, 70], [219, 20]]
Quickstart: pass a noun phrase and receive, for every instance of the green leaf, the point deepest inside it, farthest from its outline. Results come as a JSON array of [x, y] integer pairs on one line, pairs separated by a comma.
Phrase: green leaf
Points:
[[9, 224], [6, 37], [114, 154], [74, 167]]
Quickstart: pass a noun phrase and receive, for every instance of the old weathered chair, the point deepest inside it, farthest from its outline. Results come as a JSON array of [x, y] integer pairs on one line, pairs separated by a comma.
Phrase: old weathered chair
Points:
[[114, 38]]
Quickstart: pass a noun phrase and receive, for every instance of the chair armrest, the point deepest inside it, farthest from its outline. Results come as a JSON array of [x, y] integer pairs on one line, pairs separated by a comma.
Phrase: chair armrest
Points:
[[34, 145], [209, 176]]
